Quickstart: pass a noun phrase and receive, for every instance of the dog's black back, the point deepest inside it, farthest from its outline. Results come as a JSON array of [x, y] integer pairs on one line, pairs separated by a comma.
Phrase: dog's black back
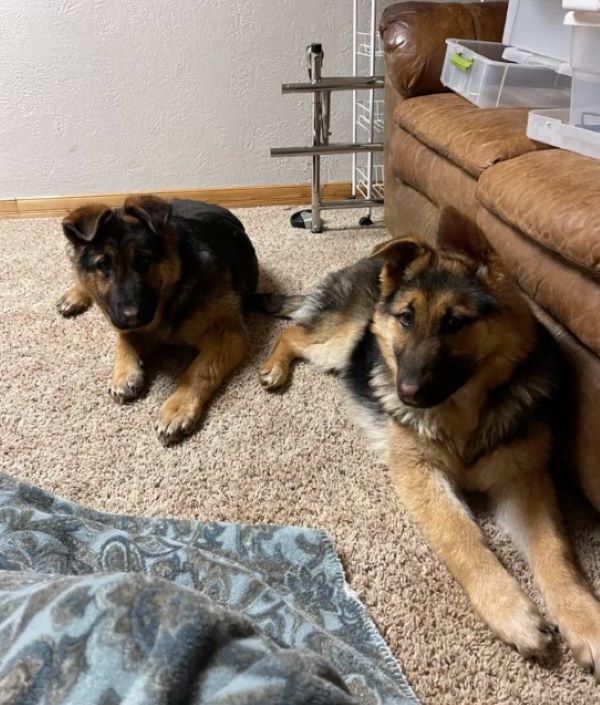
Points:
[[213, 244], [212, 239]]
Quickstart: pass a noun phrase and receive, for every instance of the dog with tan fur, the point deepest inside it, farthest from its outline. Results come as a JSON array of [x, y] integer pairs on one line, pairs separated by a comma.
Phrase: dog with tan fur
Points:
[[162, 272], [454, 381]]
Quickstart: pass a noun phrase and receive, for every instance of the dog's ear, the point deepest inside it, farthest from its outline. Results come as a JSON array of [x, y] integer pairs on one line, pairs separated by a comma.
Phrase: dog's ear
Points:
[[460, 236], [83, 224], [153, 211], [398, 254]]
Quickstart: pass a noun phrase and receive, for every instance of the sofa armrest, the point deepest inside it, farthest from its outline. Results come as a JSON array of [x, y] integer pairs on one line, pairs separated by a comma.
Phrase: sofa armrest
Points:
[[414, 35]]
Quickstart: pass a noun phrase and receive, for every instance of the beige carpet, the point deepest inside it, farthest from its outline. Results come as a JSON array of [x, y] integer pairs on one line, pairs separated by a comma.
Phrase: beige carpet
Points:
[[292, 458]]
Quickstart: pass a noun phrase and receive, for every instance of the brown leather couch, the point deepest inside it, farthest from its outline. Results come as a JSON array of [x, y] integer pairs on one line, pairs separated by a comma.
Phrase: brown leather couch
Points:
[[539, 207]]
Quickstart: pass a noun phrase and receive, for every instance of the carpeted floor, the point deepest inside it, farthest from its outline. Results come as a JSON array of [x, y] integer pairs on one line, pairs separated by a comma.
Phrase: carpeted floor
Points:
[[292, 458]]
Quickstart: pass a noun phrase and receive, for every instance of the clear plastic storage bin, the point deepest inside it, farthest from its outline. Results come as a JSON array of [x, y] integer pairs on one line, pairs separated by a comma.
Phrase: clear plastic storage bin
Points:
[[476, 71], [578, 128], [552, 127], [585, 68], [537, 27]]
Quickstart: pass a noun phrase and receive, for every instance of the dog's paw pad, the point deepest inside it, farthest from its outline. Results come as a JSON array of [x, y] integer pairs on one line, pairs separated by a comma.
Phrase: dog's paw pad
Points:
[[580, 627], [124, 389], [71, 304], [177, 420], [523, 627], [272, 376], [533, 641]]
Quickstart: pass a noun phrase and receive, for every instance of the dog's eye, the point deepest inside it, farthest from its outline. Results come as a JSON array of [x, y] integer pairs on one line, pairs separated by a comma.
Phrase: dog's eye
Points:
[[103, 265], [143, 261], [406, 318], [452, 324]]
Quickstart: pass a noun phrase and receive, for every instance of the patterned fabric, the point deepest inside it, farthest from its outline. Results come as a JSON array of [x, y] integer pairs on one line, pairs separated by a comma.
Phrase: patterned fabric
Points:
[[219, 614]]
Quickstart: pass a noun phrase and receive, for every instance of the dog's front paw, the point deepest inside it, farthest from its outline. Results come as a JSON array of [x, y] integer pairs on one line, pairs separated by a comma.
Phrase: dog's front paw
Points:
[[517, 621], [580, 627], [73, 302], [273, 375], [126, 386], [178, 418]]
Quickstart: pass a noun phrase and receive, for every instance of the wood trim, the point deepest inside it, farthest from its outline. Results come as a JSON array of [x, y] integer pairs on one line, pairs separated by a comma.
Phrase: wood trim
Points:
[[243, 197], [8, 209]]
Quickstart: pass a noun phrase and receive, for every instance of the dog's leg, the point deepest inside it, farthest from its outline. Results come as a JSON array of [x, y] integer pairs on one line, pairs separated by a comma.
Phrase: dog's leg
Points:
[[128, 376], [433, 504], [221, 351], [275, 370], [74, 301], [528, 510]]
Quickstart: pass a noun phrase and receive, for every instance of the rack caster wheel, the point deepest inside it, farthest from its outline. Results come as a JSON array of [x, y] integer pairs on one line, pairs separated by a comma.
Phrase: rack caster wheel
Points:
[[365, 220], [303, 219]]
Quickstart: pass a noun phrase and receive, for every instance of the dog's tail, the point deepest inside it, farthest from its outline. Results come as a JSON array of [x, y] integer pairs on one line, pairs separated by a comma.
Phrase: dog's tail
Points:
[[278, 305]]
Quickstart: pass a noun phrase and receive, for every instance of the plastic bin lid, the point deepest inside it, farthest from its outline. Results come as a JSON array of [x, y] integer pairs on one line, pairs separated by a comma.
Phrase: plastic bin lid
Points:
[[591, 5], [583, 19]]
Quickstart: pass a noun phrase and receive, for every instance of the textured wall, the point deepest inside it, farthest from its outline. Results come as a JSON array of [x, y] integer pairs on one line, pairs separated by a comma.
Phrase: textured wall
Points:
[[102, 96]]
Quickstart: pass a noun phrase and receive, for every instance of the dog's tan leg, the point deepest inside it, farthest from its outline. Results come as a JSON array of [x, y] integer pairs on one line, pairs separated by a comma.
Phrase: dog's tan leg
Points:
[[221, 351], [528, 509], [74, 301], [275, 370], [128, 377], [433, 504]]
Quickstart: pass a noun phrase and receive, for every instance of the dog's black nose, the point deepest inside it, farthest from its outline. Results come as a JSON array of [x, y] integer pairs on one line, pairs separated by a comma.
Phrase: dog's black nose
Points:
[[409, 390], [130, 315], [127, 318]]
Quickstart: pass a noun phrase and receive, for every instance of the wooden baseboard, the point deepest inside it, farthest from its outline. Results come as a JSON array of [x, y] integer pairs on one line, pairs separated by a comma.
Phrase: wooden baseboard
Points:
[[244, 197]]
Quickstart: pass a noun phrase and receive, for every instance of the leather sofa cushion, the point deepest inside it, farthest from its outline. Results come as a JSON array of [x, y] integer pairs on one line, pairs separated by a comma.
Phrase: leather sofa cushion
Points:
[[471, 137], [409, 212], [437, 178], [414, 39], [554, 198], [567, 292]]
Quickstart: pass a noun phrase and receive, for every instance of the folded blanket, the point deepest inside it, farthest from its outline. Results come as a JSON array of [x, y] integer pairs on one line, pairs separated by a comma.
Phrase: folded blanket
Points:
[[219, 614]]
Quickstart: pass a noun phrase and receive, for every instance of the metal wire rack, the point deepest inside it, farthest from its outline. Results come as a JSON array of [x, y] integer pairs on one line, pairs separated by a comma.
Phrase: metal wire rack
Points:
[[367, 106], [366, 147]]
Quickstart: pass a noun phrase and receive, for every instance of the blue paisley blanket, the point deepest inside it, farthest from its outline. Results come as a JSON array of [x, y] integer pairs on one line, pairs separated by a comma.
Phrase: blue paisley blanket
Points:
[[98, 609]]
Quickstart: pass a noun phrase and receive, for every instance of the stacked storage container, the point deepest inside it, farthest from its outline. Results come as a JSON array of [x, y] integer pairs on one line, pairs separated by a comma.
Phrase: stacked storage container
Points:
[[526, 70], [549, 60], [577, 129]]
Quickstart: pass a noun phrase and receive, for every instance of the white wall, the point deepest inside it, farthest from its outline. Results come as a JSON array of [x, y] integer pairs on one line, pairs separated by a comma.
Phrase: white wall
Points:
[[101, 96]]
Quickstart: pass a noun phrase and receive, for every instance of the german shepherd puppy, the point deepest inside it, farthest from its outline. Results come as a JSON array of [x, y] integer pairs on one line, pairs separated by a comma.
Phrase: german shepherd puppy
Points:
[[452, 378], [164, 272]]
